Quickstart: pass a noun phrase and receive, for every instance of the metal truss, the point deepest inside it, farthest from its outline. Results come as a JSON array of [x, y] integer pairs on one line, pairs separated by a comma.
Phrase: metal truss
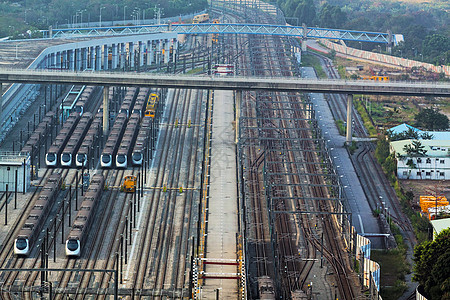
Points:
[[251, 29]]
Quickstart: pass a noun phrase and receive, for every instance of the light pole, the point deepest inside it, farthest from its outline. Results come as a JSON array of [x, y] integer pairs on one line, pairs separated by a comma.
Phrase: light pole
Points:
[[379, 47], [101, 16], [421, 56], [360, 45], [124, 14]]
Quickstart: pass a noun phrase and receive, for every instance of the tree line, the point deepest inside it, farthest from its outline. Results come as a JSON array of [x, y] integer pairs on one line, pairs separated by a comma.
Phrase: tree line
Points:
[[425, 26]]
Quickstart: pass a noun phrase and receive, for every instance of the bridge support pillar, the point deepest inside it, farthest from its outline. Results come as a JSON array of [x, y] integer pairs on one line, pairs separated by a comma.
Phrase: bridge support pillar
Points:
[[166, 51], [72, 60], [105, 110], [238, 112], [98, 58], [114, 58], [141, 54], [123, 56], [131, 49], [348, 138], [105, 57]]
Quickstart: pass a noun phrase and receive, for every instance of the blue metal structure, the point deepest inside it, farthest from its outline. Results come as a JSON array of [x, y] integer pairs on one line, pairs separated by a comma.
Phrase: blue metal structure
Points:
[[282, 30]]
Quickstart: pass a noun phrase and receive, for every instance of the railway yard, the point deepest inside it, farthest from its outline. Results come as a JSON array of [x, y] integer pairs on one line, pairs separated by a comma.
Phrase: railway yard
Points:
[[179, 199]]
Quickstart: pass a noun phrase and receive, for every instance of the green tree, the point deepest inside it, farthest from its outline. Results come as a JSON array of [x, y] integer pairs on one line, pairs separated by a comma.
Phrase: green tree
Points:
[[382, 150], [331, 16], [306, 12], [431, 119], [415, 149], [432, 266]]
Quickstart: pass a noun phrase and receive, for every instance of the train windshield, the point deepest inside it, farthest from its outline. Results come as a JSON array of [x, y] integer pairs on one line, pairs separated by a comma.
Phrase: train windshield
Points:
[[21, 243], [51, 156], [80, 158], [65, 157], [106, 159], [72, 245], [137, 156], [121, 159]]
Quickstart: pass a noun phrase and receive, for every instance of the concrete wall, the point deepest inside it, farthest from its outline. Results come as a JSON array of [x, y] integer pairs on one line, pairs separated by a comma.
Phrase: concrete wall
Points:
[[345, 51]]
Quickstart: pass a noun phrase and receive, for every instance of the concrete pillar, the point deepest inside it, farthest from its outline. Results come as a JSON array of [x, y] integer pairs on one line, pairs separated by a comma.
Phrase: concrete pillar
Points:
[[58, 60], [105, 110], [84, 58], [72, 59], [141, 53], [114, 61], [349, 118], [304, 37], [238, 112], [105, 57], [122, 55], [166, 51], [78, 59], [92, 58], [98, 58], [149, 53], [159, 52], [175, 48], [131, 51]]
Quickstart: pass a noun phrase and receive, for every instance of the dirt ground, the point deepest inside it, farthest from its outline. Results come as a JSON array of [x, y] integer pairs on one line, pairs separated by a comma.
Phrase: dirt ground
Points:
[[426, 188]]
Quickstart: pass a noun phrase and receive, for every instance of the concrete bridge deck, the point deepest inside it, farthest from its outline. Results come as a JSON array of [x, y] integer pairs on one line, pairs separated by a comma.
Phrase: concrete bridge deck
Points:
[[226, 83]]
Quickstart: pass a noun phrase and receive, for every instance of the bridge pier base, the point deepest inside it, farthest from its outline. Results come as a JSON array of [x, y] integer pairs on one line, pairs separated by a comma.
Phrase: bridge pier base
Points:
[[105, 110], [238, 112], [348, 139]]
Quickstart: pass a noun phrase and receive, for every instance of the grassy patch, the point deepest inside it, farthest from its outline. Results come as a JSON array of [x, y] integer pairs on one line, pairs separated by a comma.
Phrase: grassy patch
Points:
[[195, 71], [365, 117], [313, 61], [393, 270], [341, 127]]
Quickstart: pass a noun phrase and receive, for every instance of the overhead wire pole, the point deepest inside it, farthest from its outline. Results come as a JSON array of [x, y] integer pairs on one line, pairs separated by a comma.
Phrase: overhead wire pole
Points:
[[238, 113]]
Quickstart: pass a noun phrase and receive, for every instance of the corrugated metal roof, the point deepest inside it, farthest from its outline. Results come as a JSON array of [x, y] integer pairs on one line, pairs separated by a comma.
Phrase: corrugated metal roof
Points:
[[435, 148]]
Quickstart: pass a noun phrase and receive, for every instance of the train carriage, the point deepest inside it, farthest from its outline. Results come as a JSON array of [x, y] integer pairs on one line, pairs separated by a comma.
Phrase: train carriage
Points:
[[51, 158], [75, 140], [30, 231], [85, 216]]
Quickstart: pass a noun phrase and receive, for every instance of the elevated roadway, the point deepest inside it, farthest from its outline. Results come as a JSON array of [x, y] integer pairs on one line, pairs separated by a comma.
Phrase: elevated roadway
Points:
[[226, 83]]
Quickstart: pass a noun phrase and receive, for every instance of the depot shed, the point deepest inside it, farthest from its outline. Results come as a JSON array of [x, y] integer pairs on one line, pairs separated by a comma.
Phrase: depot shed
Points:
[[14, 169]]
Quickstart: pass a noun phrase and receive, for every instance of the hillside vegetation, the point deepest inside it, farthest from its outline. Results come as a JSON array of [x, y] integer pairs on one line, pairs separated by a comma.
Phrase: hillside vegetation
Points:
[[16, 17], [425, 26]]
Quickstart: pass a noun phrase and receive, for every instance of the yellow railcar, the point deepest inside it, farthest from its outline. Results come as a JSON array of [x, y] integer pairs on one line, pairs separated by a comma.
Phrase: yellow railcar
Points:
[[129, 184], [203, 18], [152, 103]]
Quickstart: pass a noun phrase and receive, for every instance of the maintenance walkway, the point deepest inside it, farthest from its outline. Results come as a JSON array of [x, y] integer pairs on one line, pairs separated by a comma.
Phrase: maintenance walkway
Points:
[[222, 219]]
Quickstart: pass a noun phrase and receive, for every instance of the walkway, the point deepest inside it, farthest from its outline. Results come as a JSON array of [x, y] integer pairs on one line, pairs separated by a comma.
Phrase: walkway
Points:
[[222, 218]]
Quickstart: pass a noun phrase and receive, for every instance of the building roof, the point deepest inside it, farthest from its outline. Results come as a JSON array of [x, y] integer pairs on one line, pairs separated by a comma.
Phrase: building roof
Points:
[[439, 225], [437, 135], [435, 148]]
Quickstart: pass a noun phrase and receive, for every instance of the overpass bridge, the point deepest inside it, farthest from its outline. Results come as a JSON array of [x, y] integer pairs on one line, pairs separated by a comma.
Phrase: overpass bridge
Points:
[[239, 84], [251, 29]]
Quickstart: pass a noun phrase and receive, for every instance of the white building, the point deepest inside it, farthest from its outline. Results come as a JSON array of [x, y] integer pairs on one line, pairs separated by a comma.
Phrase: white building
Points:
[[434, 165]]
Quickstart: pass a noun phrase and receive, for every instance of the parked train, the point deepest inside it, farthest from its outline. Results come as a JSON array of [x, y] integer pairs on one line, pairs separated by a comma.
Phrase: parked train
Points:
[[140, 146], [54, 152], [131, 132], [126, 145], [75, 140], [203, 18], [39, 134], [33, 225], [89, 141], [113, 141], [86, 215], [152, 105]]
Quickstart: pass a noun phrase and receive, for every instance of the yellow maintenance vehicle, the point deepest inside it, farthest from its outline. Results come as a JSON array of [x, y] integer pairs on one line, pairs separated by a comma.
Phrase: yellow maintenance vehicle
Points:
[[129, 184]]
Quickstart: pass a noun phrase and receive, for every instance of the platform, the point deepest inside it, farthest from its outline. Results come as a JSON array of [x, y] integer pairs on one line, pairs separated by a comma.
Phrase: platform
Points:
[[222, 218]]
